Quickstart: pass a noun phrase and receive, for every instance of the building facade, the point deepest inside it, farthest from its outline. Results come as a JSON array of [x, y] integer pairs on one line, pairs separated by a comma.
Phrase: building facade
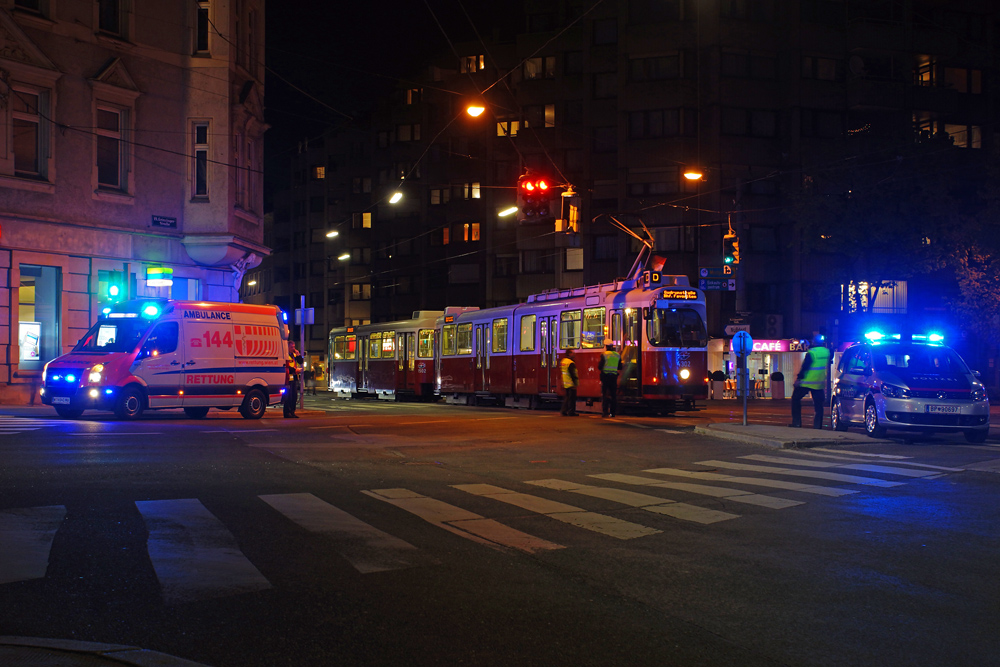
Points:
[[130, 148], [766, 98]]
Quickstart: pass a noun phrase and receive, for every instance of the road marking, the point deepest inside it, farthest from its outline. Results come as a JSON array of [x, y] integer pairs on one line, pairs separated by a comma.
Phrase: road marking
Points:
[[26, 536], [653, 504], [865, 467], [756, 481], [461, 522], [735, 495], [434, 421], [599, 523], [103, 433], [912, 464], [365, 547], [849, 452], [253, 430], [667, 430], [193, 554], [816, 474]]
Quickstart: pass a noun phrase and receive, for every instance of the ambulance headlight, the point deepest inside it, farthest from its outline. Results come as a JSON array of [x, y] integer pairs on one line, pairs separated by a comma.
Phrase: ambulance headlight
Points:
[[95, 373], [685, 374], [94, 393]]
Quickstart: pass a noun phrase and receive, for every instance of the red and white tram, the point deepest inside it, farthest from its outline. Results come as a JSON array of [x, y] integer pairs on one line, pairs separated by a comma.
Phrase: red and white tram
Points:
[[385, 360], [510, 354]]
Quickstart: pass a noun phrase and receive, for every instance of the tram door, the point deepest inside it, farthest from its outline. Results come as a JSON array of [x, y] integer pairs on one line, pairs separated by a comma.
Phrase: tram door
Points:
[[548, 345], [630, 380], [481, 377], [362, 363], [406, 345]]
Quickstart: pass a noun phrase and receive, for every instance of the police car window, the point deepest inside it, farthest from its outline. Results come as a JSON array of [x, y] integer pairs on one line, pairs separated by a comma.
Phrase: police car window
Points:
[[163, 339], [930, 360], [856, 364]]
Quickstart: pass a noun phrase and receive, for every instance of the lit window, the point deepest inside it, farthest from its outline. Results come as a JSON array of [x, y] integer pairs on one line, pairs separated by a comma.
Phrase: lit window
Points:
[[318, 173], [469, 64], [413, 95], [471, 231], [508, 128], [500, 335]]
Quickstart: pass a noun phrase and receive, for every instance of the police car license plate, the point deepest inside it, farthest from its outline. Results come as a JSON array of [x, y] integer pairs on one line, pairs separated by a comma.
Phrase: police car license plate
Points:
[[60, 400], [944, 409]]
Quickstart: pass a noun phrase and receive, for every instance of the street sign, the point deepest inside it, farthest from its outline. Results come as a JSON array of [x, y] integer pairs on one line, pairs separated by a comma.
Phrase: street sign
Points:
[[742, 343], [715, 272], [733, 329], [310, 315], [717, 284]]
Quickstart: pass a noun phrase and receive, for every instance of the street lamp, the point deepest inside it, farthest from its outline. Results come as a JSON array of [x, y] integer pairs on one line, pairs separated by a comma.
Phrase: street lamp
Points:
[[332, 234], [344, 256], [507, 211]]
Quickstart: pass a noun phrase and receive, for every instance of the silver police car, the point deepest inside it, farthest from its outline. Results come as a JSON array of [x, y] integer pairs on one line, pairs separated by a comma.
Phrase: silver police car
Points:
[[887, 383]]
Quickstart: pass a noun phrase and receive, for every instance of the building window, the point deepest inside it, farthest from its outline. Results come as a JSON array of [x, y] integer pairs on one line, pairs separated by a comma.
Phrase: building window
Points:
[[605, 85], [410, 132], [540, 68], [31, 5], [823, 69], [111, 17], [822, 124], [445, 236], [38, 315], [574, 260], [749, 66], [470, 231], [605, 139], [470, 190], [656, 123], [201, 24], [413, 95], [112, 147], [508, 128], [964, 80], [655, 69], [200, 186], [605, 248], [749, 122], [318, 172], [540, 115], [606, 31], [30, 132], [362, 221], [440, 196], [469, 64]]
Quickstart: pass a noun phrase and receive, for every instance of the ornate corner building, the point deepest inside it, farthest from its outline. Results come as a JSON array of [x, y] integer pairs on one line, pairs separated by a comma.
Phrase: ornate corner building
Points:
[[130, 148]]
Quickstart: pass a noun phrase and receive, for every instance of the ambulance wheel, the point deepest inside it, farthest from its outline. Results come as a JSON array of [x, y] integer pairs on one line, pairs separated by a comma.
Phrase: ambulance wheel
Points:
[[68, 413], [129, 404], [254, 405], [196, 413]]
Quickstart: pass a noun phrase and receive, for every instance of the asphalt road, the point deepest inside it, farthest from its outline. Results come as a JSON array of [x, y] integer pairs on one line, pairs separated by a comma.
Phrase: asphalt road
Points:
[[380, 533]]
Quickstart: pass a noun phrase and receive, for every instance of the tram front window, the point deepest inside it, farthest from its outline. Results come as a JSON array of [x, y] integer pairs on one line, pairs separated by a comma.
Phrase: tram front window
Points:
[[676, 327]]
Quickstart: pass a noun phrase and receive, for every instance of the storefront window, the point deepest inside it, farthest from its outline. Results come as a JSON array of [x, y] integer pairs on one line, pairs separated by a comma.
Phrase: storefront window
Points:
[[38, 315]]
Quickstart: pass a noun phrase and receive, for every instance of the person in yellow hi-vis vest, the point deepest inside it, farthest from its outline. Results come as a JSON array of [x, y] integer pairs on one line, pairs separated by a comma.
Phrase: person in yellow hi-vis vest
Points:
[[811, 380], [570, 381], [609, 366]]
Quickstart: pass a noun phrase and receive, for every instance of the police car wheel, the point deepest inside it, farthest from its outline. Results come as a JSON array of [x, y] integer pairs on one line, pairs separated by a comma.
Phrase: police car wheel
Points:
[[68, 413], [254, 405], [129, 404], [836, 418], [976, 436], [872, 425]]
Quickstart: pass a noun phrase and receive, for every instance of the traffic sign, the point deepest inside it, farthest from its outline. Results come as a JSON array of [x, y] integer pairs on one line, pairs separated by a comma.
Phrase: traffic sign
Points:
[[717, 284], [742, 343], [733, 329], [715, 271]]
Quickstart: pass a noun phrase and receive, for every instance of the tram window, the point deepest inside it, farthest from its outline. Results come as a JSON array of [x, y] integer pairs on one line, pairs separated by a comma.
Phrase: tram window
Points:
[[677, 327], [616, 326], [500, 335], [338, 347], [375, 345], [388, 344], [351, 351], [569, 329], [527, 333], [463, 338], [593, 327], [448, 339], [425, 343]]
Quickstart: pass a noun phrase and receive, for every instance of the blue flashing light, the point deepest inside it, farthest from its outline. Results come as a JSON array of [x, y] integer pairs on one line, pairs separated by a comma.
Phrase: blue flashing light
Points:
[[71, 378], [284, 316], [109, 391], [935, 338], [106, 311], [150, 310], [874, 336]]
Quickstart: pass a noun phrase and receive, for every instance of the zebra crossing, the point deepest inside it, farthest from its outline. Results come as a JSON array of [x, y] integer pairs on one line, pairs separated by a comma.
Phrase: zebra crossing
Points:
[[195, 556], [15, 425]]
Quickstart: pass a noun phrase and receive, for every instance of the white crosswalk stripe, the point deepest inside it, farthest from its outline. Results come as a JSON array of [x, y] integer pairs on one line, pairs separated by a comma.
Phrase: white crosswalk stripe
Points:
[[866, 467], [14, 425], [815, 474], [735, 495], [194, 555], [26, 537], [600, 523], [755, 481], [365, 547]]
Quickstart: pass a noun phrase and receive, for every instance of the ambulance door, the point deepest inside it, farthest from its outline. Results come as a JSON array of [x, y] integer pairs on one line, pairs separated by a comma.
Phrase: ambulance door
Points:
[[160, 364], [210, 372]]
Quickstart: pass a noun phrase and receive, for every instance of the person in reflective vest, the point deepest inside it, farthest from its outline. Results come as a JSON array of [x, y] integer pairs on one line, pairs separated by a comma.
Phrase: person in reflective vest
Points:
[[811, 380], [609, 366], [570, 381], [292, 376]]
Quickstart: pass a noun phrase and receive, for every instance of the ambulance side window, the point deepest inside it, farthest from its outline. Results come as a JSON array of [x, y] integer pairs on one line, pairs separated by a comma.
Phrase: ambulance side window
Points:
[[163, 340]]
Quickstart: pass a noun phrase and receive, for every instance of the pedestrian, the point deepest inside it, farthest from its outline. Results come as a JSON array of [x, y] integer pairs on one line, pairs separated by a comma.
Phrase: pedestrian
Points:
[[609, 366], [292, 381], [310, 377], [570, 381], [811, 380]]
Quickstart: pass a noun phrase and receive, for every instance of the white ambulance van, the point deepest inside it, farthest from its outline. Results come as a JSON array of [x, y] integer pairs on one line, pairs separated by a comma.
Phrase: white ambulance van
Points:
[[151, 354]]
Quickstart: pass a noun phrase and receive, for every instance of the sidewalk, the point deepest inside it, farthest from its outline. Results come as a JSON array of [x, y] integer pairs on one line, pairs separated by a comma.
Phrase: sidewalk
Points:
[[40, 652], [783, 437]]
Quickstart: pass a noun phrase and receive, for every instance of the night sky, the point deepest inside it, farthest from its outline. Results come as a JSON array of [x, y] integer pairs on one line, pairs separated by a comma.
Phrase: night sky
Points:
[[349, 54]]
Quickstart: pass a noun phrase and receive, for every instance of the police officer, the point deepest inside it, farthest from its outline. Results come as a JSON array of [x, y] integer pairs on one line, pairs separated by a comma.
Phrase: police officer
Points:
[[811, 380], [292, 385], [570, 381], [609, 365]]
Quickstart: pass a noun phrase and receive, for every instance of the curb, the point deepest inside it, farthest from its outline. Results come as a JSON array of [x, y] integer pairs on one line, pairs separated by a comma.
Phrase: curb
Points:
[[42, 652], [730, 433], [746, 437]]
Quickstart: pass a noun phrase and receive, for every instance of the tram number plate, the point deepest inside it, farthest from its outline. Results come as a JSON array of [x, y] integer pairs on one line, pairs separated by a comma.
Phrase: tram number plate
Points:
[[60, 400], [944, 409]]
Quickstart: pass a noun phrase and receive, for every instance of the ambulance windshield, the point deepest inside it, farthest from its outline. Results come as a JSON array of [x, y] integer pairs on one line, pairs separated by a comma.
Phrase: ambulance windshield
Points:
[[113, 336]]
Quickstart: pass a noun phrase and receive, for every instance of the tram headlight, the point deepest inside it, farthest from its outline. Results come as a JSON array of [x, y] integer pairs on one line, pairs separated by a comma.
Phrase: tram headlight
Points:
[[685, 374]]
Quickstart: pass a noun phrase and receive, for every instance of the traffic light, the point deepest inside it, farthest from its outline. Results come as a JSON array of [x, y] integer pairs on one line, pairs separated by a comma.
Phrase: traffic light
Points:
[[534, 194], [730, 249]]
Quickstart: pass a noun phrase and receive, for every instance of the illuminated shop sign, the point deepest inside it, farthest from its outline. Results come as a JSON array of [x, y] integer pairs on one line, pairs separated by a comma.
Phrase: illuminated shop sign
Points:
[[773, 346]]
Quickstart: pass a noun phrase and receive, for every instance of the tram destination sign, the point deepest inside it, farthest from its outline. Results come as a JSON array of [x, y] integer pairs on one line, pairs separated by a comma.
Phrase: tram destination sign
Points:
[[717, 284]]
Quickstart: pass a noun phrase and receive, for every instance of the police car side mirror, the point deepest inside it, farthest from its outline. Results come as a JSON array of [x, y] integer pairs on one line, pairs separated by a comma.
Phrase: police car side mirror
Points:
[[868, 371], [977, 374]]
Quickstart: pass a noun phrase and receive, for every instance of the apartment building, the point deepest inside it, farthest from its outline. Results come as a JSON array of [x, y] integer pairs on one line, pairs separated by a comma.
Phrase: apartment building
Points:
[[130, 163]]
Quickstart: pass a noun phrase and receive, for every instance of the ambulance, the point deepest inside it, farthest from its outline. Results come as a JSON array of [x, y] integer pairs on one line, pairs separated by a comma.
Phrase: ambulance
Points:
[[151, 354]]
